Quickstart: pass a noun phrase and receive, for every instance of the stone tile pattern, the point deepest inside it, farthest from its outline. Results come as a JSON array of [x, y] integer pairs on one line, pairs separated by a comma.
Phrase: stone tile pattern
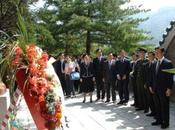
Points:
[[99, 116]]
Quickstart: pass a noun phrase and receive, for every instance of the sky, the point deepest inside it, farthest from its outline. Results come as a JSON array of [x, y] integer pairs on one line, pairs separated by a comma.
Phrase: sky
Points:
[[154, 5]]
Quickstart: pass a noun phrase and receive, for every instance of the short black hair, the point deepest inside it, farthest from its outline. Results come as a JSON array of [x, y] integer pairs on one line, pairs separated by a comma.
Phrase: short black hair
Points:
[[98, 50], [84, 55], [115, 55], [152, 53], [141, 49], [134, 53], [161, 48], [61, 53]]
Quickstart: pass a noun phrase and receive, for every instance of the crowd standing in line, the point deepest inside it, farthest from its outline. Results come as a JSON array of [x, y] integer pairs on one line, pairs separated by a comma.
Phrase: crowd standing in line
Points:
[[151, 85]]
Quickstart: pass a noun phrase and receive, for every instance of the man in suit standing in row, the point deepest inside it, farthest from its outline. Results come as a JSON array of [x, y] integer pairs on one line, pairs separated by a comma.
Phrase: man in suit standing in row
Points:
[[140, 80], [122, 73], [98, 63], [59, 66], [149, 96], [109, 78], [161, 88]]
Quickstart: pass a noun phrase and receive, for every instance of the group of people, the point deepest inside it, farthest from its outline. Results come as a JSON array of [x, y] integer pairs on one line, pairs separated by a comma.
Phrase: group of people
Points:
[[151, 85]]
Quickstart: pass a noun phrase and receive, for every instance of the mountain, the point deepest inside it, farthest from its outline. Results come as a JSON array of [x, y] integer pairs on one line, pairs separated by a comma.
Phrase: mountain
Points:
[[157, 23]]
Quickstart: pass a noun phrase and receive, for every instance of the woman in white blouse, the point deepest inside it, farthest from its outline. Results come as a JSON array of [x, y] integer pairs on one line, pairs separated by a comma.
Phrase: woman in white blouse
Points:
[[69, 68]]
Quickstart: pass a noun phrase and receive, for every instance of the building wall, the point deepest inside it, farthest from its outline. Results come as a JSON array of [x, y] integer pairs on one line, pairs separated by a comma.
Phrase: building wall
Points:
[[170, 54]]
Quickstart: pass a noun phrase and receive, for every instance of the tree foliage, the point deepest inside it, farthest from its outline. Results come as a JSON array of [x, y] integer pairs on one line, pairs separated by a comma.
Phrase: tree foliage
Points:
[[85, 22], [76, 26]]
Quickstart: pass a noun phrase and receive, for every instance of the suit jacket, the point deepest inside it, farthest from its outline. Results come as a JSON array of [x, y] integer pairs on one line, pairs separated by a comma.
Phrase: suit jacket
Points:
[[162, 80], [123, 67], [109, 71], [98, 68], [86, 70], [57, 66], [148, 75]]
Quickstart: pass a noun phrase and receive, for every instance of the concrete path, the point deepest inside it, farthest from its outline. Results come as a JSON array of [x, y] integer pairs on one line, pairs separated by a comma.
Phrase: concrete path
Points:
[[100, 116]]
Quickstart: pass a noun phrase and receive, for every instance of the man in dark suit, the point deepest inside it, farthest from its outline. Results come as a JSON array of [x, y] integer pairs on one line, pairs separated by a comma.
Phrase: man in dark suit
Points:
[[109, 78], [59, 67], [140, 80], [135, 57], [161, 87], [98, 67], [149, 96], [123, 69]]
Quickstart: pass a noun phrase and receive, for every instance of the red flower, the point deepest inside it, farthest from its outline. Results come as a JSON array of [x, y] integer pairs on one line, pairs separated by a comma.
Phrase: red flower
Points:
[[45, 56], [33, 70], [18, 51]]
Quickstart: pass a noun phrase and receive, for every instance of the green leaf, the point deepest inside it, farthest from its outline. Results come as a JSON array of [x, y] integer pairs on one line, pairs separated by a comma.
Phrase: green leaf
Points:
[[172, 71]]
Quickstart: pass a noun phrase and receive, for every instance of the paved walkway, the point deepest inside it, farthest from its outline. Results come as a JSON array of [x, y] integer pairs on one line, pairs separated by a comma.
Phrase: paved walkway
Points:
[[101, 116]]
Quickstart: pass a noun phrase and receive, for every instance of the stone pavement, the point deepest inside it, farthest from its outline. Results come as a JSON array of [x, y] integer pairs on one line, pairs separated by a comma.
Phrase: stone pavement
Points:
[[100, 116]]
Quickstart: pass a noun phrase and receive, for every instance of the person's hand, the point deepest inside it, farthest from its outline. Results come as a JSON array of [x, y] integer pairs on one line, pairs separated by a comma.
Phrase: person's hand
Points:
[[81, 80], [118, 77], [151, 90], [168, 92], [124, 77], [93, 79]]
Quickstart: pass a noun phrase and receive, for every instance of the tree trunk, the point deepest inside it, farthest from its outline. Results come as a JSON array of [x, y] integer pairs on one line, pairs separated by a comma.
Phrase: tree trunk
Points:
[[88, 43], [88, 37]]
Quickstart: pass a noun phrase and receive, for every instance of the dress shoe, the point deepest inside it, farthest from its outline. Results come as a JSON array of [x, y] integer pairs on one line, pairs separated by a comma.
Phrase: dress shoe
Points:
[[156, 123], [133, 104], [125, 101], [91, 101], [151, 114], [164, 126], [146, 111], [139, 109], [84, 101], [120, 103], [107, 101], [97, 99]]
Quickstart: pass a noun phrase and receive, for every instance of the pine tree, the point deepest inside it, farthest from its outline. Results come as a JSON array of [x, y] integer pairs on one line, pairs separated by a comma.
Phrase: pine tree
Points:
[[85, 22]]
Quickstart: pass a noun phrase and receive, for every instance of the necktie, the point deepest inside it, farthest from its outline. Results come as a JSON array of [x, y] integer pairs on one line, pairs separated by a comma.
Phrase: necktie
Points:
[[157, 66], [62, 70], [109, 64]]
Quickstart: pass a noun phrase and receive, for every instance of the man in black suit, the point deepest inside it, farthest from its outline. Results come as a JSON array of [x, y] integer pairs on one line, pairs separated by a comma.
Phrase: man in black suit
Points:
[[123, 69], [98, 67], [59, 66], [135, 57], [139, 73], [161, 88], [149, 96], [109, 78]]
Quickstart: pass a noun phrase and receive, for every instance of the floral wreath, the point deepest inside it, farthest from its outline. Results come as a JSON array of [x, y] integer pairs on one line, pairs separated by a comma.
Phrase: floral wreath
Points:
[[41, 85]]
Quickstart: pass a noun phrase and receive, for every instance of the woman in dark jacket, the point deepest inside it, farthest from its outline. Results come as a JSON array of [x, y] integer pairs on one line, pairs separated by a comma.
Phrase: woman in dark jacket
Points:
[[87, 77]]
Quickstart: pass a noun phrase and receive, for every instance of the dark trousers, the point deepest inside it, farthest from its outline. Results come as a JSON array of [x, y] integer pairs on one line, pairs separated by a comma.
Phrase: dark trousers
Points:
[[77, 85], [100, 89], [146, 99], [110, 88], [123, 90], [162, 107], [69, 86], [63, 83], [149, 103], [140, 93]]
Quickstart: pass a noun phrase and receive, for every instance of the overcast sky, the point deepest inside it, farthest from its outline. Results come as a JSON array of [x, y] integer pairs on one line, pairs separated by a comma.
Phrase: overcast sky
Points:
[[154, 5]]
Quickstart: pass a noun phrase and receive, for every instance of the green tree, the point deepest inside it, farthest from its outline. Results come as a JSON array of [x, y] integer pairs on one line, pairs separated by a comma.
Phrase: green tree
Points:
[[93, 21]]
